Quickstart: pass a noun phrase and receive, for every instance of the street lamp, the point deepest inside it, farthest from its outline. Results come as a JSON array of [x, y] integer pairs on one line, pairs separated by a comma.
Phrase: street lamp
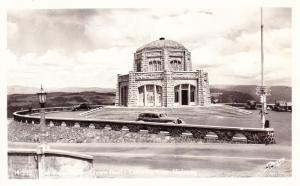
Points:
[[42, 97], [42, 100], [41, 149]]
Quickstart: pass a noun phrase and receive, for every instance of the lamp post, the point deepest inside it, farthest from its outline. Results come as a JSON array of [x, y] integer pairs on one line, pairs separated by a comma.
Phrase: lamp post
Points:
[[42, 100], [41, 149]]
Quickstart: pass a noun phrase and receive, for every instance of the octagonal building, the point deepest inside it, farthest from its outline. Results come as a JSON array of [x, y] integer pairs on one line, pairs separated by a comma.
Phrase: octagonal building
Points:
[[162, 76]]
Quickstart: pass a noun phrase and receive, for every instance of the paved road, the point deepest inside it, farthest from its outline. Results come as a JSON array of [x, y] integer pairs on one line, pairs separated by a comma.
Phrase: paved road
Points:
[[188, 160]]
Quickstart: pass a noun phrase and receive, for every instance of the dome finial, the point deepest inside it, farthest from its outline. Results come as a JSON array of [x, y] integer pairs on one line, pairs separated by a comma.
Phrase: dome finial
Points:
[[161, 38]]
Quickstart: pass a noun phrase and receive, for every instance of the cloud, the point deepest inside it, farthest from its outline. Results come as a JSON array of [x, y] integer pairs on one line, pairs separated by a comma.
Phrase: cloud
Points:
[[88, 47], [54, 69], [43, 30]]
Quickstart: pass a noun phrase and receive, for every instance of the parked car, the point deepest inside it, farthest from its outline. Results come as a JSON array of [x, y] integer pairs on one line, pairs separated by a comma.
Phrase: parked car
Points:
[[82, 106], [158, 117], [250, 105], [282, 106]]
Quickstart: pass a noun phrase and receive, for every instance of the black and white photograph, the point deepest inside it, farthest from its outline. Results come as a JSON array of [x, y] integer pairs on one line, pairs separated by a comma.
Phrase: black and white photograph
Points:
[[102, 93]]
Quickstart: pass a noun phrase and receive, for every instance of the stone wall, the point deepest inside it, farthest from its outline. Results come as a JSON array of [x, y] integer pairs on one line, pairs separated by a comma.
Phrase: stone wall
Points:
[[168, 80], [164, 55], [122, 81], [227, 134], [168, 89], [132, 90], [203, 89], [48, 163], [167, 76]]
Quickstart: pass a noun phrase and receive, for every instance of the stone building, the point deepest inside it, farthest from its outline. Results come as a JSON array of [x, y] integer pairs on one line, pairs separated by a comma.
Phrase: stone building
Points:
[[162, 76]]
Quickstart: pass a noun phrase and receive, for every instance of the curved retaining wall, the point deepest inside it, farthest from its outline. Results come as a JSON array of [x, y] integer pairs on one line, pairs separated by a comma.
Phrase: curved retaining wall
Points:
[[205, 132]]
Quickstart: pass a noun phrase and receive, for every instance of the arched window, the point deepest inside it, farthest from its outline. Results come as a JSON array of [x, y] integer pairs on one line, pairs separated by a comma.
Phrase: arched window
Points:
[[150, 66], [159, 67], [176, 65], [154, 66], [150, 95]]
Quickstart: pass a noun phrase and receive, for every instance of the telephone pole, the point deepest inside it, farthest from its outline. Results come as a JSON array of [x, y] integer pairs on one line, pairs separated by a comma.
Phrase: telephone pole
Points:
[[263, 91]]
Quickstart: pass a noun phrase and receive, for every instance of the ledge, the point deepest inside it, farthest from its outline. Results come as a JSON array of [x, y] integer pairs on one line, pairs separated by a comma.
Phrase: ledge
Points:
[[51, 151], [142, 123]]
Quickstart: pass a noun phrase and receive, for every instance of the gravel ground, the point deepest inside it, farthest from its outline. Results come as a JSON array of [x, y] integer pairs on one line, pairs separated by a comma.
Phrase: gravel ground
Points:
[[21, 132]]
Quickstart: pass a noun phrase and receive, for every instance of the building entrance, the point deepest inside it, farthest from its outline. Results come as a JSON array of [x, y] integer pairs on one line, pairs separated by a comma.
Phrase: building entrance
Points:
[[184, 97], [124, 95], [184, 94]]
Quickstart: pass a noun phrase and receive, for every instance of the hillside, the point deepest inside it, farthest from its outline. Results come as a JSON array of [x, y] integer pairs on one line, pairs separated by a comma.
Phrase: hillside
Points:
[[55, 99], [277, 92], [100, 96], [232, 96], [17, 89]]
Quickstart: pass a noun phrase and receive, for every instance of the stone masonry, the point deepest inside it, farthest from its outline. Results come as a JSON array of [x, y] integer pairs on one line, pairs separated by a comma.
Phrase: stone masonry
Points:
[[162, 76]]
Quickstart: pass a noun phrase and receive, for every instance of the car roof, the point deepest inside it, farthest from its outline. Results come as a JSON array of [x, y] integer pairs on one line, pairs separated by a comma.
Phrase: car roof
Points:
[[152, 113]]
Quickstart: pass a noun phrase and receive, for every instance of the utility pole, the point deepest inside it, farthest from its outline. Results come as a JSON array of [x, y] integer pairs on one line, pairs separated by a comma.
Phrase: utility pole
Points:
[[263, 89]]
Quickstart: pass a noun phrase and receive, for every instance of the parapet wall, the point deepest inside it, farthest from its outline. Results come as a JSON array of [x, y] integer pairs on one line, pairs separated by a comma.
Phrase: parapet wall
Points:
[[221, 133], [48, 163]]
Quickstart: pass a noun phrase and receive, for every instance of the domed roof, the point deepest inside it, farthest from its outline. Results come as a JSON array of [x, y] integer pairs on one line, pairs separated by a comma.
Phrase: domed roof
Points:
[[162, 43]]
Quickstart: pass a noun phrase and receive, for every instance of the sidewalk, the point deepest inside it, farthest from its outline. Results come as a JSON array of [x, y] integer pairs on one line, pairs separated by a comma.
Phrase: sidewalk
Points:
[[188, 149]]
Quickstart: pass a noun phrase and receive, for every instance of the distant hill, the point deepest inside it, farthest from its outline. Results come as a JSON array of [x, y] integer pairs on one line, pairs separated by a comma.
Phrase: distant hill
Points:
[[277, 92], [21, 97], [232, 96], [56, 99], [17, 89]]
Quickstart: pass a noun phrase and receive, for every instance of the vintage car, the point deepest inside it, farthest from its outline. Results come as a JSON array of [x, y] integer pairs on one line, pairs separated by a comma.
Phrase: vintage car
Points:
[[250, 105], [82, 106], [282, 106], [158, 117]]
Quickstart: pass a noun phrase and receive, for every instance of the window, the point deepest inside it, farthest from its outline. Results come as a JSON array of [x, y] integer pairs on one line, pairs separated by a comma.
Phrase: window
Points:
[[162, 115], [138, 66], [176, 94], [185, 86], [150, 94], [155, 116], [154, 66], [150, 66], [159, 66], [192, 93], [176, 65]]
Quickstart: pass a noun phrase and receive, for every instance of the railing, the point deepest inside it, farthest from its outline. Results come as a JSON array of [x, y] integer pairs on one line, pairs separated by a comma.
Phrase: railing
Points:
[[221, 133]]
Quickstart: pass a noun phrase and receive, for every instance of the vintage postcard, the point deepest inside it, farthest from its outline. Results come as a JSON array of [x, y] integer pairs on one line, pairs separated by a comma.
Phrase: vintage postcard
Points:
[[149, 92]]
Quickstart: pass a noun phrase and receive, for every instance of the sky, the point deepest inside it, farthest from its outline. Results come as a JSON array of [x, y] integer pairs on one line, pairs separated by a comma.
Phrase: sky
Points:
[[89, 47]]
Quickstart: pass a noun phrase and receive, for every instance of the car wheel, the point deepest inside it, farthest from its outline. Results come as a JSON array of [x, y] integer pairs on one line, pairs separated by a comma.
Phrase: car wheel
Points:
[[180, 121]]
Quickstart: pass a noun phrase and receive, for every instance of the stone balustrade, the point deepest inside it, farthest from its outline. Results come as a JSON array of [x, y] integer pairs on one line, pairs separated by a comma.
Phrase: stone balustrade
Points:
[[204, 132]]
